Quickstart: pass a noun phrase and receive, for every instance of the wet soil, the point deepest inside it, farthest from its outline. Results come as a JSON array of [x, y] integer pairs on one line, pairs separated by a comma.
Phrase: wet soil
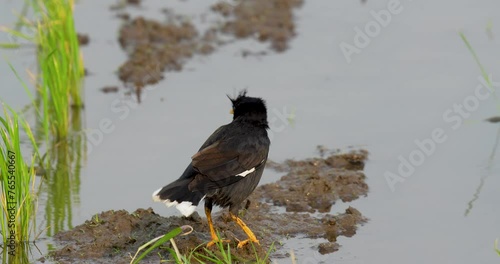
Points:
[[83, 39], [311, 185], [120, 4], [264, 20], [314, 185], [154, 47], [109, 89]]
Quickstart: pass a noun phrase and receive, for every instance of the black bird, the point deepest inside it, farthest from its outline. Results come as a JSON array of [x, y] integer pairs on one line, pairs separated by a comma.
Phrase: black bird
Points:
[[227, 167]]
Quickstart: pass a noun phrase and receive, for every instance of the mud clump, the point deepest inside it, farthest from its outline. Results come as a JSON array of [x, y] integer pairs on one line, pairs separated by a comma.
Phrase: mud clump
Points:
[[315, 184], [83, 39], [120, 4], [153, 48], [265, 20], [109, 89], [310, 185], [328, 247]]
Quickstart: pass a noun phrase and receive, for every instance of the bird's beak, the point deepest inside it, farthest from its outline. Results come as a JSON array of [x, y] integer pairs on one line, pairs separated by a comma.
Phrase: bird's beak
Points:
[[231, 111]]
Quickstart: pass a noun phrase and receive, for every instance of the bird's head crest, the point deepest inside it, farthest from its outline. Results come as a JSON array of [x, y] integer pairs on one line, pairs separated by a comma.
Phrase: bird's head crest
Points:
[[238, 98], [252, 109]]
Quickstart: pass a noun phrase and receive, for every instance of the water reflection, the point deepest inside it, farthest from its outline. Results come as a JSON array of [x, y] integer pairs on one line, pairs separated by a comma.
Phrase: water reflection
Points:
[[61, 185], [20, 255], [486, 171]]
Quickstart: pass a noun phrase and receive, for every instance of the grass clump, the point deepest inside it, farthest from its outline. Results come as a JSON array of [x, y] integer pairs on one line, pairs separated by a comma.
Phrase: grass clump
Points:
[[58, 103], [17, 184], [60, 64], [220, 254]]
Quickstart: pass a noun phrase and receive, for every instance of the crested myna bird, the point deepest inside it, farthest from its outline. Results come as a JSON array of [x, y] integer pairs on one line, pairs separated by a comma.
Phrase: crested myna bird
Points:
[[227, 167]]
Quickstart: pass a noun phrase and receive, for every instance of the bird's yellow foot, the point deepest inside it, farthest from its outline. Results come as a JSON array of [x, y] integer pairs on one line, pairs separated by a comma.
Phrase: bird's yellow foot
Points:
[[217, 240], [242, 243]]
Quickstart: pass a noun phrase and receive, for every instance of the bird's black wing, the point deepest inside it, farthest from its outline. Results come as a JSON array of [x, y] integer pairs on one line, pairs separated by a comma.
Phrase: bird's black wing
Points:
[[228, 160]]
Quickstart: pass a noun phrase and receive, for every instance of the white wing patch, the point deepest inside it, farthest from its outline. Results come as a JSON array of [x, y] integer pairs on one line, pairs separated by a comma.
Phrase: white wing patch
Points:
[[245, 173]]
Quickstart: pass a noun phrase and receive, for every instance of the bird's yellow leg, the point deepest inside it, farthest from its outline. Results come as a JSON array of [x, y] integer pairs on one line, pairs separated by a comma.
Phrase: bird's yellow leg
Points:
[[214, 236], [250, 234]]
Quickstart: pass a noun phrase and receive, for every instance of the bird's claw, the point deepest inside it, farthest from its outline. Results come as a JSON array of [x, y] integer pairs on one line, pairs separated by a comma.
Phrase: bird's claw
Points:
[[215, 241], [242, 243]]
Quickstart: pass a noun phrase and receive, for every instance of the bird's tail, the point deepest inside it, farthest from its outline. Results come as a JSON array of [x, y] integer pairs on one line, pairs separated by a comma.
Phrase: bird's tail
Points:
[[177, 193]]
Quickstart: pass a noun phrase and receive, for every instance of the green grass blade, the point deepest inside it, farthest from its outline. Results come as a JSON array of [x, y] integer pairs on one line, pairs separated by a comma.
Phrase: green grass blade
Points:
[[476, 58], [158, 243], [16, 33], [10, 45], [26, 89], [17, 181], [496, 247]]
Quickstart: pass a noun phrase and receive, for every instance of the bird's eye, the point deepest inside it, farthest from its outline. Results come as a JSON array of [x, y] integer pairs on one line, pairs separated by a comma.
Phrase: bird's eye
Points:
[[231, 111]]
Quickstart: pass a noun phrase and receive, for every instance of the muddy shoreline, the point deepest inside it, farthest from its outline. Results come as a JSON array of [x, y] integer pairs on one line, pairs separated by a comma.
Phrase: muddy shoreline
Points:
[[286, 208]]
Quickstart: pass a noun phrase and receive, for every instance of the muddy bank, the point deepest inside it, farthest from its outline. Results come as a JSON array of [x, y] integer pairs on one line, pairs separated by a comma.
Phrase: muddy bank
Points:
[[314, 185], [311, 185]]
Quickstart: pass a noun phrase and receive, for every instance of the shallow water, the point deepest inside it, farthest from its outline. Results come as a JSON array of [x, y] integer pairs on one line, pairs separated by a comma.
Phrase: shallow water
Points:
[[395, 91]]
